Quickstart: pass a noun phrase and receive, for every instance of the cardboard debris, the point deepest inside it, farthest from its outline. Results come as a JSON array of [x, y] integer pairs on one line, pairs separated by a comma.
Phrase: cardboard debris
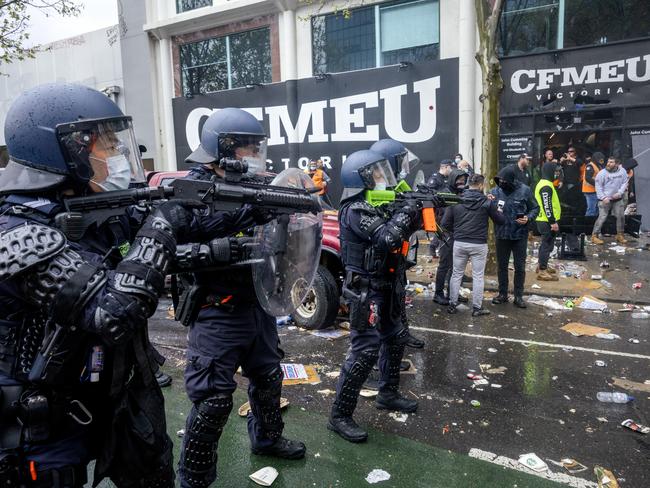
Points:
[[588, 302], [299, 374], [573, 466], [605, 477], [631, 385], [632, 425], [246, 407], [577, 329]]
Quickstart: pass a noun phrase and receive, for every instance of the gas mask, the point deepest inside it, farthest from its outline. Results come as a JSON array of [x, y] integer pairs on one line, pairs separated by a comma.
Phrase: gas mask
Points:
[[119, 173]]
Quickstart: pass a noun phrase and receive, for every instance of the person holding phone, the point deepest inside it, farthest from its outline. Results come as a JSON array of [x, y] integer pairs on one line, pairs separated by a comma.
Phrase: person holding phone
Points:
[[519, 208]]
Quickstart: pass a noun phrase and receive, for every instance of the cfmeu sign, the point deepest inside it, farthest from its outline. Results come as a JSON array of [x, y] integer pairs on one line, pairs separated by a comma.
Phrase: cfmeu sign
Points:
[[341, 113], [350, 116]]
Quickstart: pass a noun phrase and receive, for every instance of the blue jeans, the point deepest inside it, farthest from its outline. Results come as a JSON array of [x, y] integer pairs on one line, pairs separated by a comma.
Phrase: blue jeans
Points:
[[592, 204]]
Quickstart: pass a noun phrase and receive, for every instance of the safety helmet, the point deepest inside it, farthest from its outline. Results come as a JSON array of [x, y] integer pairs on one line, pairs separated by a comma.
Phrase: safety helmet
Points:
[[363, 170], [396, 154], [224, 132], [70, 135]]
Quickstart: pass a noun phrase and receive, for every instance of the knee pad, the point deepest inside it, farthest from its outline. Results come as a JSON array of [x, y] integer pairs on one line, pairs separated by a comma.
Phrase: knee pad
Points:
[[212, 414]]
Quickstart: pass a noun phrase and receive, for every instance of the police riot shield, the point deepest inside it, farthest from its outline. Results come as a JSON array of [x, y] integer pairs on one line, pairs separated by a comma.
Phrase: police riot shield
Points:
[[288, 251]]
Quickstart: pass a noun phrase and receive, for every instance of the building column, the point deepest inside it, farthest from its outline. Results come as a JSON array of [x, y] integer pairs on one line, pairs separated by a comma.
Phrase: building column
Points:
[[467, 72], [166, 142], [288, 58]]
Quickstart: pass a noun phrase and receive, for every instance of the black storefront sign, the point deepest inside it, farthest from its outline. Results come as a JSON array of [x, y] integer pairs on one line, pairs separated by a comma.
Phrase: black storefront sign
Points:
[[572, 80], [332, 117], [511, 147]]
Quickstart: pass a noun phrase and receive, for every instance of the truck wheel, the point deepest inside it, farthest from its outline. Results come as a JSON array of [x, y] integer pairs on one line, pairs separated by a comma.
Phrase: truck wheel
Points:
[[320, 307]]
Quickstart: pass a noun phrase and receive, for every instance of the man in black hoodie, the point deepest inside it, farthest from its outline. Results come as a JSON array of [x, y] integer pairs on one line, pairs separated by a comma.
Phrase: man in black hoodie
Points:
[[468, 221], [457, 182]]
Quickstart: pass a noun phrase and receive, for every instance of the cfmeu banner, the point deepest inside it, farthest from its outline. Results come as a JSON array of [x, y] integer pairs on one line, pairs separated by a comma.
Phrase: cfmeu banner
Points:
[[331, 117]]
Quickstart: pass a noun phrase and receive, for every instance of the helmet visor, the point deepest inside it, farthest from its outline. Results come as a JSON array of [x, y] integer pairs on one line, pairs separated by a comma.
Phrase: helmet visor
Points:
[[378, 175], [250, 149], [103, 152]]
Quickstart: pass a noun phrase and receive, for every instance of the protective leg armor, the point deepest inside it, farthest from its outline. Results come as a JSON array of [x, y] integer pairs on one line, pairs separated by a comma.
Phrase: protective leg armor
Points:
[[264, 394], [352, 381], [198, 463], [389, 365]]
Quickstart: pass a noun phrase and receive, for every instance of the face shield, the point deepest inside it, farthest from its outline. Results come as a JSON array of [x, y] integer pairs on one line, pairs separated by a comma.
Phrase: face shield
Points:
[[249, 149], [378, 175], [103, 153]]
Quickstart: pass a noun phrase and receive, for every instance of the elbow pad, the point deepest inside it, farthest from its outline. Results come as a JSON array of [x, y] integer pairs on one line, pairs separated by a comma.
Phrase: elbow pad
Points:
[[52, 275], [132, 295]]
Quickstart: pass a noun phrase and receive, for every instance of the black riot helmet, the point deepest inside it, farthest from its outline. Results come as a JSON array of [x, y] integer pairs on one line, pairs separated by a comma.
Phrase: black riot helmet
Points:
[[396, 154], [232, 134], [69, 136]]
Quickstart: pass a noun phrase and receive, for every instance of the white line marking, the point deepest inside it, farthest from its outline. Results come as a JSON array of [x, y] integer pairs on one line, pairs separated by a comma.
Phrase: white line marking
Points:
[[514, 464], [537, 343]]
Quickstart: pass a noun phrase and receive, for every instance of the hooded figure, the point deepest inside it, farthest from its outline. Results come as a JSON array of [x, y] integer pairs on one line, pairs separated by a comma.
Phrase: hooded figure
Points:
[[518, 200]]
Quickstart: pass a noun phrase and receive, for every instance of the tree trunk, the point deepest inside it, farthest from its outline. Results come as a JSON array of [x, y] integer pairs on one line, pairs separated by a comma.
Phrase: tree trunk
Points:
[[488, 13]]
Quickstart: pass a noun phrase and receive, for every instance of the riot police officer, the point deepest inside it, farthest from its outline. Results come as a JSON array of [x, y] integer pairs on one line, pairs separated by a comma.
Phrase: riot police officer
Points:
[[398, 157], [370, 238], [228, 328], [76, 366]]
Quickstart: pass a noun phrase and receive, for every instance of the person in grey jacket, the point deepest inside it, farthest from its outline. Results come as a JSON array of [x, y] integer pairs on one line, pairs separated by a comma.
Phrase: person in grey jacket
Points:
[[611, 185], [468, 220]]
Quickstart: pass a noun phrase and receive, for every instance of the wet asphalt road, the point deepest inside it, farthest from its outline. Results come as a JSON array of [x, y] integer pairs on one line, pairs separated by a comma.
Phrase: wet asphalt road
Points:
[[547, 400]]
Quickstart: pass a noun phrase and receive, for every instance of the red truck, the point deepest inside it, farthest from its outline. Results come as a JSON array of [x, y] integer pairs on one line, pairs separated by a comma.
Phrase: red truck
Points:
[[321, 306]]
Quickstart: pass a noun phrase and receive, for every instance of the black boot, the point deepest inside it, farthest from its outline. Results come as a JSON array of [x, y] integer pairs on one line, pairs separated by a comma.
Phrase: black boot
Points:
[[163, 379], [441, 299], [341, 420], [389, 397], [392, 400], [499, 299], [519, 302], [414, 342], [282, 448]]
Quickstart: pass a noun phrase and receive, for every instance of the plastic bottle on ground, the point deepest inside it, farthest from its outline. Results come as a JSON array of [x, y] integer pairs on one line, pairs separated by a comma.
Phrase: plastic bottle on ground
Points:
[[613, 397], [641, 315]]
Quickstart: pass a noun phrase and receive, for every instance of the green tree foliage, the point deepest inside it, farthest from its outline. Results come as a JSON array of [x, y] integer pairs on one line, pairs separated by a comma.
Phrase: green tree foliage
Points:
[[14, 25]]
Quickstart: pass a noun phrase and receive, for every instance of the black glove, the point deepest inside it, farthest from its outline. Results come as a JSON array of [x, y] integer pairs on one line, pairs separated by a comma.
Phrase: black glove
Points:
[[411, 209], [179, 214], [231, 249], [262, 215]]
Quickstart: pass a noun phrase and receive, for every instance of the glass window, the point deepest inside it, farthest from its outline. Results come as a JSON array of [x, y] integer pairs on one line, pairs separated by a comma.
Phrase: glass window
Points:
[[204, 66], [376, 36], [344, 44], [528, 26], [602, 21], [418, 41], [226, 62], [185, 5], [250, 58]]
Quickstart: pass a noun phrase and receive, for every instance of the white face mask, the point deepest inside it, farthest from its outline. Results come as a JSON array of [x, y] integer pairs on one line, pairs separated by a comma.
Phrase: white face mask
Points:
[[458, 160], [380, 186], [255, 165], [119, 173]]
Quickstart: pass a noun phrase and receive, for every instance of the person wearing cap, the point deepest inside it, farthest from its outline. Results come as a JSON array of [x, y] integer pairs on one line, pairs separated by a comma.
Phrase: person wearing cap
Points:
[[592, 168], [521, 169], [438, 180], [317, 175]]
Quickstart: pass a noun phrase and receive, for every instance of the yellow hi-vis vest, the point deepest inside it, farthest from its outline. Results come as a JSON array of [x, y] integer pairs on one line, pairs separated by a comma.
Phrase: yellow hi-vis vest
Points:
[[557, 210]]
